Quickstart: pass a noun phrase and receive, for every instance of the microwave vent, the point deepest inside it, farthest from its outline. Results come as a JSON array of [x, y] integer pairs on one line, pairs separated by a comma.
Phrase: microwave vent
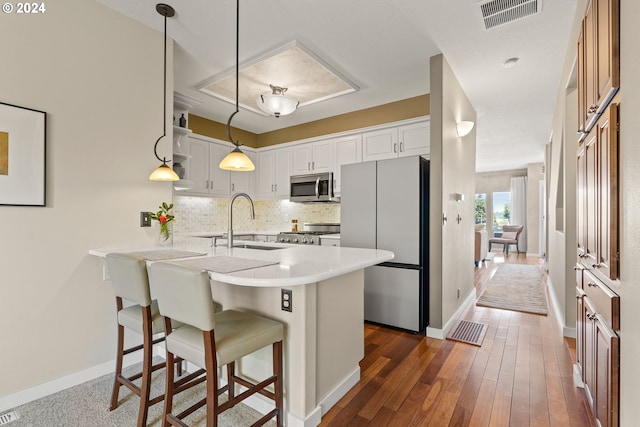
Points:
[[499, 12]]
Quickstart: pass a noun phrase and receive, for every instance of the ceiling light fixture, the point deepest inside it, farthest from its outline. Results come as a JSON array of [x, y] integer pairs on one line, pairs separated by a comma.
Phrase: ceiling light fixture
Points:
[[463, 127], [236, 160], [164, 172], [277, 103]]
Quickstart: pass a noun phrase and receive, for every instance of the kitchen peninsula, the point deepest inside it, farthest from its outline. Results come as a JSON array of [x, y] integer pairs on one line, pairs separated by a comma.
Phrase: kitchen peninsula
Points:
[[324, 339]]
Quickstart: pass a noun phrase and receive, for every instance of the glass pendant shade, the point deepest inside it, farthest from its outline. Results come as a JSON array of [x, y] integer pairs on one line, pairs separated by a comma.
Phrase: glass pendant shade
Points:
[[276, 103], [164, 173], [237, 161]]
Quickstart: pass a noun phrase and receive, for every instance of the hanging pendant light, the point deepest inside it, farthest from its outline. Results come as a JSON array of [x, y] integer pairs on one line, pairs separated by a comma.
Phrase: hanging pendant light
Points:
[[236, 160], [164, 172], [276, 103]]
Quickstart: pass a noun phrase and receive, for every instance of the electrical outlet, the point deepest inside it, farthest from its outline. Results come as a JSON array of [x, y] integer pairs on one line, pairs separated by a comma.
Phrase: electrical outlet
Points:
[[145, 219], [105, 273], [287, 300]]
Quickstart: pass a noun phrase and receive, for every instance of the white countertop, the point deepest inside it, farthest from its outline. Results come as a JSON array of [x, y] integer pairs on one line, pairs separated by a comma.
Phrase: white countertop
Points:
[[297, 264]]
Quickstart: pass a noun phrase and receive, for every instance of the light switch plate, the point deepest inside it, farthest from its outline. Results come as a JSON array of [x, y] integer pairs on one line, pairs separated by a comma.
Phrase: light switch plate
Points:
[[145, 219]]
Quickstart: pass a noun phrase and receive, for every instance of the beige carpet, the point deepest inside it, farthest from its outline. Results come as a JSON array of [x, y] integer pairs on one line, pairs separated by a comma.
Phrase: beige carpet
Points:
[[516, 287], [87, 405]]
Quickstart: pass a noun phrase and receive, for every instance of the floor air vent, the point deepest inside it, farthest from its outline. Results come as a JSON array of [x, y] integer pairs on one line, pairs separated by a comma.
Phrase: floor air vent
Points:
[[7, 418], [469, 332], [500, 12]]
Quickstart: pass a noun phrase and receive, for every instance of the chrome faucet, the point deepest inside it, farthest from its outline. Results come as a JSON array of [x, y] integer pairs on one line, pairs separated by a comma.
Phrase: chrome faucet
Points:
[[230, 228]]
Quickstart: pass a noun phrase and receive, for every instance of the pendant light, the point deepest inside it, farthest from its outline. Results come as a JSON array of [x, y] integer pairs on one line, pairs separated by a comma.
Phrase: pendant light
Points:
[[276, 103], [164, 172], [236, 160]]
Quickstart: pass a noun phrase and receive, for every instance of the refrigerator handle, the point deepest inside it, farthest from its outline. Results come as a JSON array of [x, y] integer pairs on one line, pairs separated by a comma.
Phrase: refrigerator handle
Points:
[[317, 187]]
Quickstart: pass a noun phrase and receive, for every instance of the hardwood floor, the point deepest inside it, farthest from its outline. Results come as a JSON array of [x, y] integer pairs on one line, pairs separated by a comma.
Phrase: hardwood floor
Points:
[[521, 376]]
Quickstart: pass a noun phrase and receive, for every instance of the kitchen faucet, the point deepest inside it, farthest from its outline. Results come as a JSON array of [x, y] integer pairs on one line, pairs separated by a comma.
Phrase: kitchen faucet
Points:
[[230, 228]]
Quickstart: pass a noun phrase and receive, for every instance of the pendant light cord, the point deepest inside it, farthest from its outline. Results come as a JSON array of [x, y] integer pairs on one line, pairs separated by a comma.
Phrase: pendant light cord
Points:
[[164, 95], [237, 142]]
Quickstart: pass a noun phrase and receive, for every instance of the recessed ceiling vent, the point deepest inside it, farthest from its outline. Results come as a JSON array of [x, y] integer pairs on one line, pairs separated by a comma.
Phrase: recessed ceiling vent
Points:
[[500, 12]]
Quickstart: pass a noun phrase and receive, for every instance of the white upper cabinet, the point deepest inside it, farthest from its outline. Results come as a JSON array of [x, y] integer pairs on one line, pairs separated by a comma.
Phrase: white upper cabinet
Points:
[[380, 144], [312, 157], [414, 139], [402, 141], [348, 150], [274, 170], [203, 171]]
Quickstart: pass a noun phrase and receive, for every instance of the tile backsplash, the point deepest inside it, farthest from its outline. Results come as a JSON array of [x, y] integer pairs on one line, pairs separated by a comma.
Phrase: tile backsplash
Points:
[[204, 214]]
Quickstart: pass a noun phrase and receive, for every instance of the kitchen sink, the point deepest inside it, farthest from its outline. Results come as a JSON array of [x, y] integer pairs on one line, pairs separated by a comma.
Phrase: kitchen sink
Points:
[[263, 248]]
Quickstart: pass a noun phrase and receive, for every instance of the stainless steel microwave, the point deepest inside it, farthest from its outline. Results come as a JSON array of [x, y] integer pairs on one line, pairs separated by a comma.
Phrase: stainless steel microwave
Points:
[[317, 187]]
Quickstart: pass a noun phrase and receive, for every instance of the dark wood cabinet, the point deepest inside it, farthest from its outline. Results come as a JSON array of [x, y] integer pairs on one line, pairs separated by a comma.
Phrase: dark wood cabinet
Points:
[[597, 196], [607, 216], [597, 345], [598, 61]]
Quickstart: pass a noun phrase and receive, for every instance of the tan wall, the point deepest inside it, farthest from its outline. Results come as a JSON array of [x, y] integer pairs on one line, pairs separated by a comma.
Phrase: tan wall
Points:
[[452, 171], [101, 89], [387, 113], [212, 129]]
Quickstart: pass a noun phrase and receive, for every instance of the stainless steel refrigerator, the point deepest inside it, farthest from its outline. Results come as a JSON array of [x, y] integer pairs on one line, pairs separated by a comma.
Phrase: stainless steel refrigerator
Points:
[[385, 205]]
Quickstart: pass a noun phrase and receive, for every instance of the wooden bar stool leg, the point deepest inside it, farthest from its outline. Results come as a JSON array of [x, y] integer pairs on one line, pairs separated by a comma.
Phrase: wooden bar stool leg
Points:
[[147, 363], [212, 378], [231, 372], [119, 356], [169, 386], [277, 370]]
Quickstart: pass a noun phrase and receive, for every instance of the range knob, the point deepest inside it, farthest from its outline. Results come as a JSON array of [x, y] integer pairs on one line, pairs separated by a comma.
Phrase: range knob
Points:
[[281, 240], [311, 240], [304, 240], [287, 239], [295, 240]]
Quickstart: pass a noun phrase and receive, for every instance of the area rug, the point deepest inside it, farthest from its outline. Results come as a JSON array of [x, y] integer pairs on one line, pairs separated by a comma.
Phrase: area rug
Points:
[[516, 287]]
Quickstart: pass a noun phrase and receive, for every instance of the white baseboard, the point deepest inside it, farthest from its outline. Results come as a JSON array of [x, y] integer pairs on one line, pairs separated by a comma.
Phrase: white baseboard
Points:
[[559, 313], [442, 333], [339, 391], [577, 377], [63, 383]]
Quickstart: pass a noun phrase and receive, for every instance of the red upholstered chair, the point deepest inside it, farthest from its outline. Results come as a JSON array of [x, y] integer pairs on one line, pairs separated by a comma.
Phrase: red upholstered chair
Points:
[[510, 236]]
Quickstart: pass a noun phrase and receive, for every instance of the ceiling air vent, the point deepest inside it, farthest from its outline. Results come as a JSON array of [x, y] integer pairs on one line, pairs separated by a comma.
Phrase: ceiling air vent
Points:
[[500, 12]]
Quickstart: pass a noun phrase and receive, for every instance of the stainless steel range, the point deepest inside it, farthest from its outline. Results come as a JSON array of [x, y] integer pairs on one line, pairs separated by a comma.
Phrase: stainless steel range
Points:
[[310, 235]]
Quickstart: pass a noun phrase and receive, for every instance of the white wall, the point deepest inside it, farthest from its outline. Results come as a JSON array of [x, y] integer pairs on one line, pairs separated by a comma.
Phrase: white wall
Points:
[[629, 211], [98, 76], [452, 171]]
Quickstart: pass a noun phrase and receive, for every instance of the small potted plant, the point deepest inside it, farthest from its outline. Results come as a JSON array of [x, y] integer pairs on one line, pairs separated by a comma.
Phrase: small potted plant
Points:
[[164, 218]]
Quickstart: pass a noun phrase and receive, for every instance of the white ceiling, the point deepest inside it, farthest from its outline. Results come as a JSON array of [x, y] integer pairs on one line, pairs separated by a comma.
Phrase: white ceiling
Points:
[[383, 47]]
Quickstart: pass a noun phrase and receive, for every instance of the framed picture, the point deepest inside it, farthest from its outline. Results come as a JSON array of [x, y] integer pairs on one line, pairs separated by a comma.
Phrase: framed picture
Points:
[[22, 156]]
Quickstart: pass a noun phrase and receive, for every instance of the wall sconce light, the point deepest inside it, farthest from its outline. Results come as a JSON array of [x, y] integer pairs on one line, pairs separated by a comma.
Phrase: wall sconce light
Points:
[[459, 197], [464, 127]]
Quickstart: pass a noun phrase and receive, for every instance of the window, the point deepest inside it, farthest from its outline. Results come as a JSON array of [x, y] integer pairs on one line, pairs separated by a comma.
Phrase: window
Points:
[[481, 209], [501, 211]]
